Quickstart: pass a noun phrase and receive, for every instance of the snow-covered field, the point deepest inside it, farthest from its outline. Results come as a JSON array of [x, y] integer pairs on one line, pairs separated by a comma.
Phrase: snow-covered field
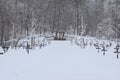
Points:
[[59, 61]]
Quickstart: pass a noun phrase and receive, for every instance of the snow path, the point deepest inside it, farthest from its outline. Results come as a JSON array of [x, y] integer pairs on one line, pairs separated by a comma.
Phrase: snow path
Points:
[[59, 61]]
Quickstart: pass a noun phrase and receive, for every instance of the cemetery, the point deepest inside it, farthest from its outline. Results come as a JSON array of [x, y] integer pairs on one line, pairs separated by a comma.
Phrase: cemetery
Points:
[[59, 39]]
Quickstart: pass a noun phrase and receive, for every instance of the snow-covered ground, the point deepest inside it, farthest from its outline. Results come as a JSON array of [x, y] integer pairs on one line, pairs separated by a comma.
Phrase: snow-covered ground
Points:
[[59, 61]]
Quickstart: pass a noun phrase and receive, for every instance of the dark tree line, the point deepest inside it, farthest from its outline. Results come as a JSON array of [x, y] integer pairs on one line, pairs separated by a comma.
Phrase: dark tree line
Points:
[[21, 18]]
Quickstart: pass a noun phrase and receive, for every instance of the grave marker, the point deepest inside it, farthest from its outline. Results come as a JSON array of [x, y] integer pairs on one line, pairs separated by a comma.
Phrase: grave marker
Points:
[[104, 50]]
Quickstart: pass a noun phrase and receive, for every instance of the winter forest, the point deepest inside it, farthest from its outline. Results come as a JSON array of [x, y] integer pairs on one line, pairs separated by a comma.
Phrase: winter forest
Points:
[[22, 18], [59, 39]]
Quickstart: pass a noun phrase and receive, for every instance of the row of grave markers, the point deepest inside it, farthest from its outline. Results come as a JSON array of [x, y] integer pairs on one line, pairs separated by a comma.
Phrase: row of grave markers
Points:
[[102, 48], [117, 48], [27, 47]]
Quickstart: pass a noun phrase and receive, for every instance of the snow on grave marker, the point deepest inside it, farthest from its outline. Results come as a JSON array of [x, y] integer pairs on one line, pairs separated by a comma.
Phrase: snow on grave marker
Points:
[[27, 48], [1, 51], [5, 47], [103, 49], [98, 48], [117, 50], [86, 42], [40, 46], [91, 42], [82, 43], [110, 44]]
